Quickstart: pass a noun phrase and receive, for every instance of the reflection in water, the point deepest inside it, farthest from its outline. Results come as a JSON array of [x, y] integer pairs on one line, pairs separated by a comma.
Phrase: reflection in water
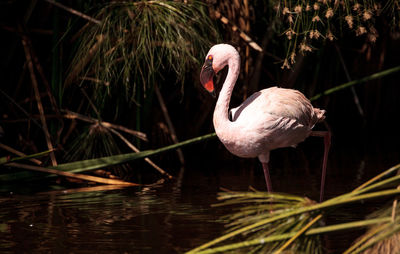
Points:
[[171, 217], [154, 219]]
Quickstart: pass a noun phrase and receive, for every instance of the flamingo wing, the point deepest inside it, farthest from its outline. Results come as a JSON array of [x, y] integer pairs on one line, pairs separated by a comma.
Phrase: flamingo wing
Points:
[[279, 102]]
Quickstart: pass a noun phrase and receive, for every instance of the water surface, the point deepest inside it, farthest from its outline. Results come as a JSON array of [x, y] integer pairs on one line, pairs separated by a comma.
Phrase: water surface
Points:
[[170, 217]]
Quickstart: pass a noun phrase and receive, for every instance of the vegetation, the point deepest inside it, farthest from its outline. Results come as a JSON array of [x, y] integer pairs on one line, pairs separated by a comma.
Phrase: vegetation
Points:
[[307, 22], [136, 43], [273, 223], [90, 85], [126, 56], [120, 57]]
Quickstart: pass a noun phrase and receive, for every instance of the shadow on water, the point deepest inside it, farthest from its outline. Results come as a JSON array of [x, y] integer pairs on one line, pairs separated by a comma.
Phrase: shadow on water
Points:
[[172, 217]]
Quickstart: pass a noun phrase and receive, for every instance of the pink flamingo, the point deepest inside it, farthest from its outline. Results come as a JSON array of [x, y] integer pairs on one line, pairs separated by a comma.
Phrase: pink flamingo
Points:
[[268, 119]]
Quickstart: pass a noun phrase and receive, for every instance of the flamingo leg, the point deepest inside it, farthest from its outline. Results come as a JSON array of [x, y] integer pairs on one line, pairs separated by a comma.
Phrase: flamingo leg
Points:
[[327, 144], [267, 177]]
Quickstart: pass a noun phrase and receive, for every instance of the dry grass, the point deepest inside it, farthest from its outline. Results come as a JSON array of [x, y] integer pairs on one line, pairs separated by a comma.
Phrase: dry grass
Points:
[[310, 22]]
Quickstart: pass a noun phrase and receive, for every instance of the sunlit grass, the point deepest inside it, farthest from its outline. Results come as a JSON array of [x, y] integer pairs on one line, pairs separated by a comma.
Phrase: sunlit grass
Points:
[[273, 223], [139, 42]]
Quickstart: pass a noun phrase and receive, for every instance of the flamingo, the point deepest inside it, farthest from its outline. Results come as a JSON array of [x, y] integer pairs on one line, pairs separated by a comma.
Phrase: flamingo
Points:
[[270, 118]]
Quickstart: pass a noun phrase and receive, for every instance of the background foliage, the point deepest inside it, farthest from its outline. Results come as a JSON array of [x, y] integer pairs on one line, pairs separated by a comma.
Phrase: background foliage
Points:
[[76, 73], [87, 85]]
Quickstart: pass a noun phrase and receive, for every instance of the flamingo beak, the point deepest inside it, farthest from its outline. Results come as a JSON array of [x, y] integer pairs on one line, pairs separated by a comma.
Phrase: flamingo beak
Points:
[[206, 76]]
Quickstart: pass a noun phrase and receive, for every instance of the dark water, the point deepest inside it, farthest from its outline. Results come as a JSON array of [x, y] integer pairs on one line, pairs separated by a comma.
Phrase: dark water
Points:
[[171, 217], [156, 219]]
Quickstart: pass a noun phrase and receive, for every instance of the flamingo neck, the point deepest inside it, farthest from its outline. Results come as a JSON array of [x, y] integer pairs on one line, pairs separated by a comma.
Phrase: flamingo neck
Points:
[[221, 120]]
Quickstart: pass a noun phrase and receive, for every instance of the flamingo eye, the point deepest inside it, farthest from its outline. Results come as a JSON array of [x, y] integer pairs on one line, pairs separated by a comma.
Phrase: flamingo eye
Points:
[[210, 57]]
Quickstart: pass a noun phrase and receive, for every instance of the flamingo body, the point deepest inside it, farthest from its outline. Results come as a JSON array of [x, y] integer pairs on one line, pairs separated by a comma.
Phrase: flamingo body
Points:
[[269, 119]]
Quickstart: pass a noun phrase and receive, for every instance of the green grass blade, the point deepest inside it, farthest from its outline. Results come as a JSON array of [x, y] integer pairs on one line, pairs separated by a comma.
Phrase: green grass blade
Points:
[[91, 164], [310, 232], [6, 159], [355, 82], [301, 210], [85, 165]]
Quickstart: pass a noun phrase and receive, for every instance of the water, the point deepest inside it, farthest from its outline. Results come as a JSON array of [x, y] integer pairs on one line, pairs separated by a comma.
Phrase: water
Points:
[[156, 219], [169, 217]]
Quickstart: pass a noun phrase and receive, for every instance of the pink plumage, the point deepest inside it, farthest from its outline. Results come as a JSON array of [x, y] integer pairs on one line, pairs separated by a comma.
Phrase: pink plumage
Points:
[[269, 119]]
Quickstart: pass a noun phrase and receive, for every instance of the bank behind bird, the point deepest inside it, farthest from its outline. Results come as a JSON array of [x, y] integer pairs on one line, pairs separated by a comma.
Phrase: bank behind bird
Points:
[[270, 118]]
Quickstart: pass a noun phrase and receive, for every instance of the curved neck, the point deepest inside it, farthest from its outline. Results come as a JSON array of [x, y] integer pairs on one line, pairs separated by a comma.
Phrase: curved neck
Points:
[[220, 119]]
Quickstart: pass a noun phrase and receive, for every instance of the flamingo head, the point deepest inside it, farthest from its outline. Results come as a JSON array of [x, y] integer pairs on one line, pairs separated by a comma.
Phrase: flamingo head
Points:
[[216, 59]]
